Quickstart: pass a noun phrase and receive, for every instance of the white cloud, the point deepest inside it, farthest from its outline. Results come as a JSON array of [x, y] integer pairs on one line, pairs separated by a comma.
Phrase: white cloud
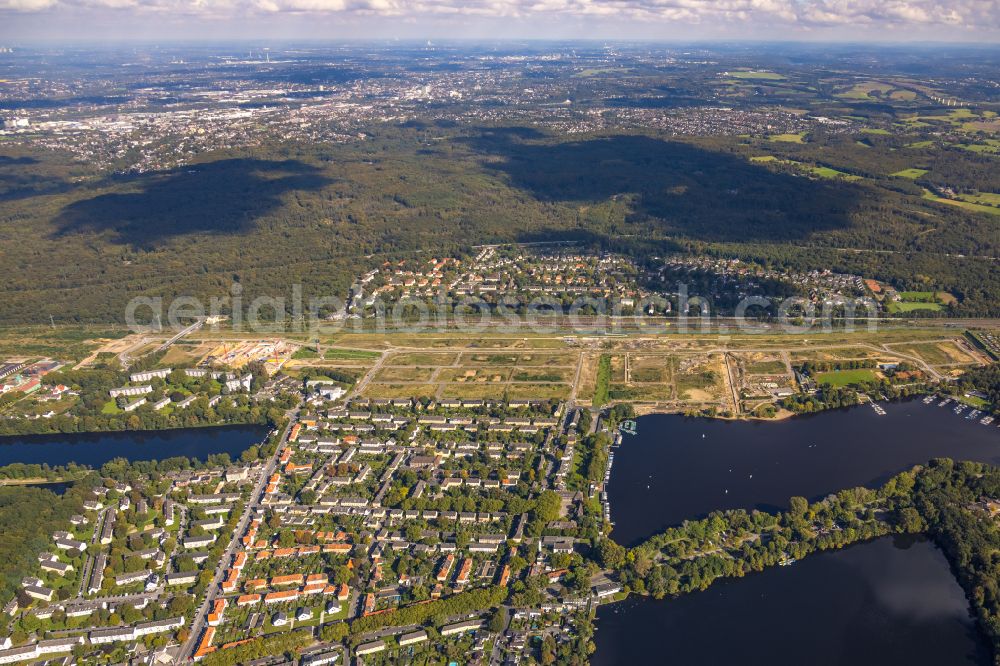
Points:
[[806, 14], [26, 5]]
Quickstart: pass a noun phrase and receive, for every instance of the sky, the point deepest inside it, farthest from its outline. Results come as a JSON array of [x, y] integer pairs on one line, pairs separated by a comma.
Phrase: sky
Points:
[[805, 20]]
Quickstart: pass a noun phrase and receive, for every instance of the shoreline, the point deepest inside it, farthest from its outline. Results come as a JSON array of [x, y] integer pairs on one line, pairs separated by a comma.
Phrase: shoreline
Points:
[[6, 439]]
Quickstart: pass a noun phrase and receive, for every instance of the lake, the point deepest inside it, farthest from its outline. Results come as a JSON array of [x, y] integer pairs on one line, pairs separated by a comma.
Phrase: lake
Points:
[[679, 468], [95, 449], [886, 602]]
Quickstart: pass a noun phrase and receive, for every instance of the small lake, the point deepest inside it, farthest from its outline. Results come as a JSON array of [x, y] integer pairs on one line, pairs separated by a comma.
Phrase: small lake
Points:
[[886, 602], [679, 468], [57, 487], [95, 449]]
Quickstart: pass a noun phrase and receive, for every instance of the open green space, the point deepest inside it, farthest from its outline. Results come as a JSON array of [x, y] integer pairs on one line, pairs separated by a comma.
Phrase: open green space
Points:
[[757, 76], [788, 138], [967, 205], [903, 306], [603, 380], [350, 355], [910, 173], [840, 378]]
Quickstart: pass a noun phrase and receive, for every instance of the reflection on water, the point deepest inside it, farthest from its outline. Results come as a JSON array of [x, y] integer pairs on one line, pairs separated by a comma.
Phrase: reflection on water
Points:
[[679, 468], [887, 602], [58, 487], [95, 449]]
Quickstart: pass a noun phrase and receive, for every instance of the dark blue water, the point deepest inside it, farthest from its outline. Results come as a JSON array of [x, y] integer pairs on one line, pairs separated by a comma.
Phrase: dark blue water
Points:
[[888, 602], [679, 468], [95, 449], [57, 487]]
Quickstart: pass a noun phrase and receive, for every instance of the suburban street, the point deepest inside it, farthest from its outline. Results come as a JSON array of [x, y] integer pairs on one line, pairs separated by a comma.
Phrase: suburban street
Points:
[[198, 626]]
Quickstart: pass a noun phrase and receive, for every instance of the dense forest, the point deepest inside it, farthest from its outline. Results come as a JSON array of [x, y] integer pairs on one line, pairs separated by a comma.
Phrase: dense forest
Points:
[[78, 245], [28, 517]]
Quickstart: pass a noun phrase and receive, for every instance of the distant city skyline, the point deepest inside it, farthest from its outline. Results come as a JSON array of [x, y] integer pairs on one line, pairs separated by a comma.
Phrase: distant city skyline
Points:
[[805, 20]]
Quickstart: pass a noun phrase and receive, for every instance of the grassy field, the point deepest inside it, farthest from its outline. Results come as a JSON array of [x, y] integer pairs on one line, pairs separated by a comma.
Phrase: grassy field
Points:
[[863, 91], [374, 390], [818, 171], [404, 374], [348, 354], [305, 353], [184, 354], [827, 172], [968, 205], [788, 138], [766, 368], [919, 296], [936, 353], [475, 372], [757, 76], [423, 358], [913, 306], [603, 379], [984, 198], [910, 173], [839, 378], [921, 300], [65, 342]]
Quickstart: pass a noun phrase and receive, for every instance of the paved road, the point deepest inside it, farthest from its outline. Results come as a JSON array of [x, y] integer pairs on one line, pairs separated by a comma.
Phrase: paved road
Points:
[[360, 386], [190, 329], [200, 618]]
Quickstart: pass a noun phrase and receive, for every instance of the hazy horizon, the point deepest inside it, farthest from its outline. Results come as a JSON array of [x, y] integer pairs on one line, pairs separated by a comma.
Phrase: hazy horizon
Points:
[[842, 21]]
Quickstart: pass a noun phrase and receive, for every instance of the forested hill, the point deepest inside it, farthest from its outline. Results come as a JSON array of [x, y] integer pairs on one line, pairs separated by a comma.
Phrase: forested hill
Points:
[[77, 244]]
